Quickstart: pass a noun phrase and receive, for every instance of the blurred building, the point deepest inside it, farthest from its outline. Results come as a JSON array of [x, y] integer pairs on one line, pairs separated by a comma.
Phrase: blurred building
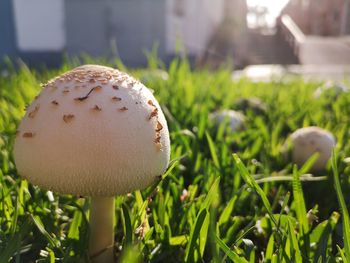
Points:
[[228, 43], [320, 17], [42, 31], [318, 31]]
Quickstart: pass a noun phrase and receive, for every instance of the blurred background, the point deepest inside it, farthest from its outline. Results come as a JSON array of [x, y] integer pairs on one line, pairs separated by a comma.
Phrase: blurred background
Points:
[[311, 35]]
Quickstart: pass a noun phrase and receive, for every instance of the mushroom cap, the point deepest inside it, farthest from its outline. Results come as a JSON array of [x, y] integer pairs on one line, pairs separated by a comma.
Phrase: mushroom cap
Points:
[[235, 118], [309, 140], [93, 131]]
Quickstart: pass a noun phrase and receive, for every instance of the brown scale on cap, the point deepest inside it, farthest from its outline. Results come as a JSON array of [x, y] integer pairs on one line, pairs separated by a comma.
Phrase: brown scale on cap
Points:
[[116, 98], [115, 87], [157, 142], [68, 117], [96, 108], [54, 102], [33, 112], [154, 113], [65, 91], [159, 127], [88, 74], [123, 109], [87, 95], [104, 82], [28, 135]]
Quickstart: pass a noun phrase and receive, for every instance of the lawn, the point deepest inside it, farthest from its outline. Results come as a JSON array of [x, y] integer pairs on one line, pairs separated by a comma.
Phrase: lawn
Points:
[[227, 196]]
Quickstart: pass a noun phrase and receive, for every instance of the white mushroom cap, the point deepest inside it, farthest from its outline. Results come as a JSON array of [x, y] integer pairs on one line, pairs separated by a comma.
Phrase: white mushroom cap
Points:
[[235, 119], [93, 131], [309, 140]]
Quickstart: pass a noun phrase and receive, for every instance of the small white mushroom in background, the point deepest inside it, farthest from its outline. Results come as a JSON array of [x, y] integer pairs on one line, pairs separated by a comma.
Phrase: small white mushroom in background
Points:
[[330, 88], [234, 119], [253, 104], [108, 137], [307, 141], [149, 76]]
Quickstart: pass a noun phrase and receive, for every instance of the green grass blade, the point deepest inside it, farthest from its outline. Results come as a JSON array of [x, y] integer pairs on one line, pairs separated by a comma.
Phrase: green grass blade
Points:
[[342, 255], [150, 190], [178, 240], [344, 210], [203, 234], [128, 231], [230, 253], [212, 149], [226, 213], [195, 233], [252, 183], [13, 243], [309, 163], [269, 249], [322, 235], [73, 231], [295, 250], [39, 224], [212, 194], [299, 201]]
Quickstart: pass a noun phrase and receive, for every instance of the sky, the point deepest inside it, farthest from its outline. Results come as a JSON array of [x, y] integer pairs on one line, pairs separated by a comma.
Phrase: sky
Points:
[[274, 8]]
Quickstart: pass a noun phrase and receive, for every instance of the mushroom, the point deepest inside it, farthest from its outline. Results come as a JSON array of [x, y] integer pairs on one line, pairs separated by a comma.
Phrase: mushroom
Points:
[[96, 153], [330, 89], [235, 119], [253, 104], [307, 141]]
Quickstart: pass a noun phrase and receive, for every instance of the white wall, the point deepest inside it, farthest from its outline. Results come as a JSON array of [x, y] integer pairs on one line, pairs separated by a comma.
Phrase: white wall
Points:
[[39, 25], [195, 26]]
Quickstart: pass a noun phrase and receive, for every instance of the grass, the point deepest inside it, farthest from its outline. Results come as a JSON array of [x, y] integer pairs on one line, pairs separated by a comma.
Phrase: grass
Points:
[[227, 196]]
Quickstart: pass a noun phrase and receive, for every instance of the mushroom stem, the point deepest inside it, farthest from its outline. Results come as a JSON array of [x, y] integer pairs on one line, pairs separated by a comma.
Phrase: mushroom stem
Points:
[[101, 230]]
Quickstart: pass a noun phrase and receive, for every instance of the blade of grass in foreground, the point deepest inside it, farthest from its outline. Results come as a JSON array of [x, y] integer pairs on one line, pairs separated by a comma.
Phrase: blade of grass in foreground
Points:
[[345, 213], [212, 195], [295, 250], [252, 183], [150, 190], [39, 224], [13, 243], [230, 253], [213, 150], [194, 236], [299, 201], [341, 252], [127, 225]]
